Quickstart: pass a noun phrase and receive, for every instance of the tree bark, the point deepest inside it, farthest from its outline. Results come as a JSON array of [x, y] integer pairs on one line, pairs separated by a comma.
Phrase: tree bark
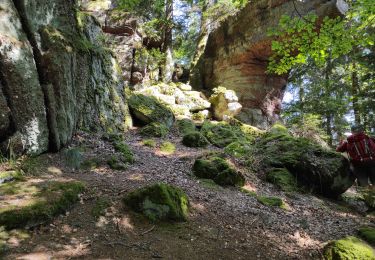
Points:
[[355, 92]]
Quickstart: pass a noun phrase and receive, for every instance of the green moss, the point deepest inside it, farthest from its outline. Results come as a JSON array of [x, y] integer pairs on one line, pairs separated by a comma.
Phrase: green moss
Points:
[[369, 197], [127, 154], [149, 142], [159, 202], [8, 176], [5, 235], [271, 201], [186, 126], [167, 148], [220, 134], [368, 234], [99, 208], [238, 149], [115, 164], [283, 179], [230, 177], [154, 130], [210, 184], [199, 116], [194, 139], [33, 165], [210, 167], [348, 248], [48, 201], [278, 129]]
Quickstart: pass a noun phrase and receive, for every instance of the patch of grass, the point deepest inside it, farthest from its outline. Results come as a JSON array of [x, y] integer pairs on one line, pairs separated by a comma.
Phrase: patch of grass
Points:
[[32, 165], [210, 184], [149, 142], [6, 235], [368, 234], [101, 204], [248, 192], [167, 148], [90, 164], [49, 200], [8, 176], [127, 154], [271, 201]]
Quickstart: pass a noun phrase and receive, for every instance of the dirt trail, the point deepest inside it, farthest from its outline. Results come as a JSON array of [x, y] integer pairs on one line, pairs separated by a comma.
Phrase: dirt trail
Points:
[[224, 223]]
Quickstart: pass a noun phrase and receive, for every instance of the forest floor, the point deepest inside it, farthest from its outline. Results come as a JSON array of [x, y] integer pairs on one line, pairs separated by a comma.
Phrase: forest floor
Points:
[[224, 223]]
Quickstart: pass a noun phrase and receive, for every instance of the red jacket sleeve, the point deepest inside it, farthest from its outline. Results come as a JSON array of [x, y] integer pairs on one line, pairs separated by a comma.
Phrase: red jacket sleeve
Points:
[[343, 146]]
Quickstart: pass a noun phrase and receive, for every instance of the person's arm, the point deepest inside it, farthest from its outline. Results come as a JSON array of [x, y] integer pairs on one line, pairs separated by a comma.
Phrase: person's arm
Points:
[[342, 147]]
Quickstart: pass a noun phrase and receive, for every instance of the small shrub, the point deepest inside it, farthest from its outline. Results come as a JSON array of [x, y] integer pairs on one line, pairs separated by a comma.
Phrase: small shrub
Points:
[[167, 148], [73, 158], [115, 164], [99, 208]]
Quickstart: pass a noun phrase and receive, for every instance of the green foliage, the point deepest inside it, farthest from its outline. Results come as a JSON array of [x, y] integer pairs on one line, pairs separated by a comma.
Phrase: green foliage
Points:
[[283, 179], [238, 149], [348, 248], [73, 158], [90, 164], [149, 142], [159, 202], [101, 204], [221, 134], [248, 192], [368, 234], [167, 148], [49, 201], [194, 139], [154, 130]]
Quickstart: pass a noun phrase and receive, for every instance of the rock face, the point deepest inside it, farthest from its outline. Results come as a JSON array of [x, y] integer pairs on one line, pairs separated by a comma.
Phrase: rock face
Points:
[[224, 103], [55, 76], [236, 56]]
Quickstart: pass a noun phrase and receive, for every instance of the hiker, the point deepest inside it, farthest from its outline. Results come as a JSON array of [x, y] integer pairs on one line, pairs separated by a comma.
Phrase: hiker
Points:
[[361, 151]]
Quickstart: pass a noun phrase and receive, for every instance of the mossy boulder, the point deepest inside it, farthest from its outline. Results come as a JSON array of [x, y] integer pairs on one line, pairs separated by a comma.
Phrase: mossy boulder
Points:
[[321, 170], [155, 130], [148, 110], [186, 126], [159, 202], [348, 248], [195, 139], [238, 149], [367, 234], [282, 178], [221, 134], [28, 203], [218, 169]]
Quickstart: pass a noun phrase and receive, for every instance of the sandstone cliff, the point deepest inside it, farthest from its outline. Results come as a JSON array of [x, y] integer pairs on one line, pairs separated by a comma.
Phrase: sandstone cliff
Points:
[[55, 76], [237, 52]]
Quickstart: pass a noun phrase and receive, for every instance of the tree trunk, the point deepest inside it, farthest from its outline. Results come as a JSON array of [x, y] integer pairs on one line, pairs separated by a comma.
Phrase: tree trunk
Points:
[[355, 92], [327, 74], [168, 67]]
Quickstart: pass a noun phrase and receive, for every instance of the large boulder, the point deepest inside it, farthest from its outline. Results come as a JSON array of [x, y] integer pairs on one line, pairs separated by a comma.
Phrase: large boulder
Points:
[[320, 170], [149, 109], [224, 103], [237, 52], [159, 202], [55, 78]]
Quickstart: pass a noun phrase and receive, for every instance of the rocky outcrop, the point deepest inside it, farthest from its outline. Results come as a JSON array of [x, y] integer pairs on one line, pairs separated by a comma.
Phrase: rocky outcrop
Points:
[[55, 76], [237, 52]]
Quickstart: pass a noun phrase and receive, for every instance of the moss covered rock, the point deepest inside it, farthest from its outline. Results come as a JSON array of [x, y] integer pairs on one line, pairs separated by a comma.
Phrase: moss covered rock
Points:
[[271, 201], [195, 139], [218, 169], [148, 109], [221, 134], [368, 234], [159, 202], [28, 203], [348, 248], [238, 149], [282, 178], [155, 130], [321, 170], [186, 126]]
